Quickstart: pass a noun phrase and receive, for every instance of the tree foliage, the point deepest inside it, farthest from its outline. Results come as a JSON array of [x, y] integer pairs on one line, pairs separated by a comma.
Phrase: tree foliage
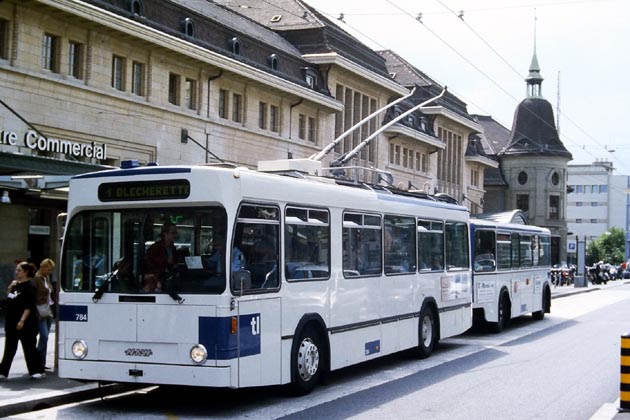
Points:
[[608, 248]]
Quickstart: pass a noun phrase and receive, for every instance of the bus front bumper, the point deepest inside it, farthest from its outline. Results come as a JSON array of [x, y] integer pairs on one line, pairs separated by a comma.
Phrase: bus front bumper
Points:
[[157, 374]]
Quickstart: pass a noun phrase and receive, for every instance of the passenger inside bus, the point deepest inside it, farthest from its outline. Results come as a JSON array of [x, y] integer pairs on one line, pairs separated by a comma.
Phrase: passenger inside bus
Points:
[[125, 275], [160, 259], [215, 260]]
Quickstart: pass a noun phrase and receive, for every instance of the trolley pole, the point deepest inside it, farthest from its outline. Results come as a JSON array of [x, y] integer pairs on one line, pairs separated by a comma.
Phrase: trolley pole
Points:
[[624, 387]]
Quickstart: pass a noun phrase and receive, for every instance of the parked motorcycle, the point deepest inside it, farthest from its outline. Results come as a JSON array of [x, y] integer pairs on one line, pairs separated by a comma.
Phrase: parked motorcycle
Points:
[[599, 273], [562, 275]]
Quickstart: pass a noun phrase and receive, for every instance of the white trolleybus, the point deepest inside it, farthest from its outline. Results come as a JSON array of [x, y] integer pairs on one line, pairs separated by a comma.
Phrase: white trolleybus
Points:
[[511, 271], [227, 277], [274, 279]]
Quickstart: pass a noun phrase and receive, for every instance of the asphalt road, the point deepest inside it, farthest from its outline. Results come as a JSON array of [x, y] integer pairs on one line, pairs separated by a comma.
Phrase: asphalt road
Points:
[[564, 367]]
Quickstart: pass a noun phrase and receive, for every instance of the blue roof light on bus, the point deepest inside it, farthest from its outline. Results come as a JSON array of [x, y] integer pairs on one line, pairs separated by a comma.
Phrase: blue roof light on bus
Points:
[[128, 164]]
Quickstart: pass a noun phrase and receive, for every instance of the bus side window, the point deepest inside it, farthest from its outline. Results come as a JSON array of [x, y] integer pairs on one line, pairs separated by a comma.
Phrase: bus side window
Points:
[[484, 251], [362, 245], [430, 245], [256, 239], [306, 244]]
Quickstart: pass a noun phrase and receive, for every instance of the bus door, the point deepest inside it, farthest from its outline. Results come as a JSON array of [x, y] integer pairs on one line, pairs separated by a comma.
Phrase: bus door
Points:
[[259, 340], [254, 256], [527, 274]]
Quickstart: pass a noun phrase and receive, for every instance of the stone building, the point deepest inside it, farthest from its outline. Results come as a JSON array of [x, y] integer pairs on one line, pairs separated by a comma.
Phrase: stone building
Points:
[[355, 75], [87, 84], [532, 172], [442, 137]]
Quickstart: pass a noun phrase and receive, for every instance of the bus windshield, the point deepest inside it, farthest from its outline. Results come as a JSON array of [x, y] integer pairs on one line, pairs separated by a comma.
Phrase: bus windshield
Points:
[[146, 251]]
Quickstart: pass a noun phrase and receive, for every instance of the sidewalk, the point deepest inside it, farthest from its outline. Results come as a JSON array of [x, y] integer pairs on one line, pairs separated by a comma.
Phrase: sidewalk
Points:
[[22, 394]]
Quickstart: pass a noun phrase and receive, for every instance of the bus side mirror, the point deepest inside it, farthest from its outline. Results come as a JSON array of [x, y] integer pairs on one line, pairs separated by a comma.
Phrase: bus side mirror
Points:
[[241, 280]]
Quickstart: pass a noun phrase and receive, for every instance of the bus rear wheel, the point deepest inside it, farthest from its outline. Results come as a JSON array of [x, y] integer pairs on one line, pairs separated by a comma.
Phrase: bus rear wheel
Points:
[[427, 333], [546, 305], [503, 314], [307, 361]]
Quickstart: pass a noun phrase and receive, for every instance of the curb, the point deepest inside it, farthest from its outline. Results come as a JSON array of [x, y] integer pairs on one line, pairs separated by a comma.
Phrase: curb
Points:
[[576, 292], [57, 398]]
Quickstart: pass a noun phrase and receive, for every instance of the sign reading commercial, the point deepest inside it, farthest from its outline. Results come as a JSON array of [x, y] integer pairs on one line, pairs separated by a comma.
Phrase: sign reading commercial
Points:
[[34, 141]]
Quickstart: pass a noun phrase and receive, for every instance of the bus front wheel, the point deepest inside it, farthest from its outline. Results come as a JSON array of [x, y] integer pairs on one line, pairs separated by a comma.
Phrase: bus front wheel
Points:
[[307, 361], [427, 332]]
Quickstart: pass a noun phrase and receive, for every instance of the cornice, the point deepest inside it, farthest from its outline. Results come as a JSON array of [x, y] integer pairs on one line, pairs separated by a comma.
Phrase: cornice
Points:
[[341, 61], [482, 161], [127, 26], [447, 113], [415, 135]]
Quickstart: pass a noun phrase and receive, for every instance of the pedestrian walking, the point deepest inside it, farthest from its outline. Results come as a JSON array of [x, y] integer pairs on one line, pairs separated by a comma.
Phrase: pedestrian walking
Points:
[[20, 323], [45, 299]]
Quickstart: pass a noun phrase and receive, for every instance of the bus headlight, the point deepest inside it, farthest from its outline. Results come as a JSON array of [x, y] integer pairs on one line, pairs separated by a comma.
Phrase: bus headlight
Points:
[[198, 354], [79, 349]]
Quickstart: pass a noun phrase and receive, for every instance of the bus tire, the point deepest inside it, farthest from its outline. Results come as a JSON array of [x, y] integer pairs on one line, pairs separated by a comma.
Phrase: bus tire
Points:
[[503, 313], [427, 332], [307, 361], [546, 306]]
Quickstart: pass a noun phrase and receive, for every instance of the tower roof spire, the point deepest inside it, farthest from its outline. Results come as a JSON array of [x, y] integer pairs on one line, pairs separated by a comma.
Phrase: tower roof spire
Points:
[[534, 79]]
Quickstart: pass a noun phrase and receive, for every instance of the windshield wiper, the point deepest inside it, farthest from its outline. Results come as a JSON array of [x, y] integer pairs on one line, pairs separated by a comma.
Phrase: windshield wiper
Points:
[[101, 290], [173, 294]]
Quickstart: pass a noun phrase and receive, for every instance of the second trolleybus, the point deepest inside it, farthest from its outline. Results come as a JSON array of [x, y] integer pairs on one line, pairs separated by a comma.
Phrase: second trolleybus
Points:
[[511, 271]]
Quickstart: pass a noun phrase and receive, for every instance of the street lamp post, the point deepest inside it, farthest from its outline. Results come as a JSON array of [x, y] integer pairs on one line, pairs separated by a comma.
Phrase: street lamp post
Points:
[[627, 247], [580, 275]]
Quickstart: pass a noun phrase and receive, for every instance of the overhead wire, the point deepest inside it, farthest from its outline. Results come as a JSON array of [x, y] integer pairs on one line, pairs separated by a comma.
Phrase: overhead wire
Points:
[[518, 74], [488, 45], [486, 9], [484, 74]]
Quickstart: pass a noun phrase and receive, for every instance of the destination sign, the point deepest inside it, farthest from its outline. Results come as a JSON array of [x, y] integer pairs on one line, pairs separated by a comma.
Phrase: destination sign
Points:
[[177, 189]]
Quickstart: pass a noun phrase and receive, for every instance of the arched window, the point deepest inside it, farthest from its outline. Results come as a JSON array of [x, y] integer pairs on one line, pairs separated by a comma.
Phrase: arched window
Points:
[[273, 61], [522, 178], [188, 27], [235, 46], [555, 178], [136, 7]]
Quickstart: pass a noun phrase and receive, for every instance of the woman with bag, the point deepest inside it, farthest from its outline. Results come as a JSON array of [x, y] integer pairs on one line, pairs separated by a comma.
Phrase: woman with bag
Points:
[[45, 298], [20, 323]]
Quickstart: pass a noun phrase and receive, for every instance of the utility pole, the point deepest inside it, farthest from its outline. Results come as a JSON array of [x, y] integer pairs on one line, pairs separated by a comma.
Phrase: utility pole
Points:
[[558, 107], [627, 248]]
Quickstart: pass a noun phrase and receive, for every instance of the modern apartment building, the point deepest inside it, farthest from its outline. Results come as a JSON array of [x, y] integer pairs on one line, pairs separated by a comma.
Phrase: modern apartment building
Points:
[[598, 201]]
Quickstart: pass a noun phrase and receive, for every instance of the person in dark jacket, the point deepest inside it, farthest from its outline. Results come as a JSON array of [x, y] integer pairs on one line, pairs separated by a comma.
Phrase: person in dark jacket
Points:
[[45, 300], [21, 323], [160, 258]]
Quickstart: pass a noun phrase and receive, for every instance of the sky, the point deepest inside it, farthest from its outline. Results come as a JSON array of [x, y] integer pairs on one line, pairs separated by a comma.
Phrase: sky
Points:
[[583, 49]]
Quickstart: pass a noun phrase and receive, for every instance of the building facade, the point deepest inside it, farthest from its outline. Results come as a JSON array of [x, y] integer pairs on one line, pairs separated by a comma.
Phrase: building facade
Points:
[[454, 165], [86, 84], [532, 172], [597, 201]]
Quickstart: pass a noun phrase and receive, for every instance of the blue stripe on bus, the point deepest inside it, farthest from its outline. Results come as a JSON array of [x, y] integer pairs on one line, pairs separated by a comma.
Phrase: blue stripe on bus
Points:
[[216, 336], [151, 170], [372, 347], [73, 313]]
